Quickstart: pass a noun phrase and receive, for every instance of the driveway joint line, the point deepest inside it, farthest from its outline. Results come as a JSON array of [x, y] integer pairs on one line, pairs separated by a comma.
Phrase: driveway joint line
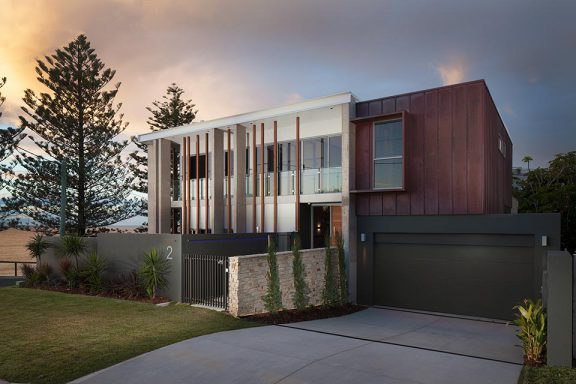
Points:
[[404, 345]]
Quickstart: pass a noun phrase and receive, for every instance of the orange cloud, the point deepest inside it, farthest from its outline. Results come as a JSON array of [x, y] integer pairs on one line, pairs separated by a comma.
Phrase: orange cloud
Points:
[[452, 73]]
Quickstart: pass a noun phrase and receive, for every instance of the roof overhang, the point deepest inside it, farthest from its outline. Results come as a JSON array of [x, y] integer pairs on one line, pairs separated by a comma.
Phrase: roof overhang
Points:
[[307, 105]]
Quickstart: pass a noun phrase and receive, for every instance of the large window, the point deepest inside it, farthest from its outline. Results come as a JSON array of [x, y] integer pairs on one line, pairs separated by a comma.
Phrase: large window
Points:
[[388, 155]]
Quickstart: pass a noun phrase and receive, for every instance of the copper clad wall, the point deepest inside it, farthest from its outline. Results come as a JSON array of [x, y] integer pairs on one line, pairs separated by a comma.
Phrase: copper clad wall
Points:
[[453, 164]]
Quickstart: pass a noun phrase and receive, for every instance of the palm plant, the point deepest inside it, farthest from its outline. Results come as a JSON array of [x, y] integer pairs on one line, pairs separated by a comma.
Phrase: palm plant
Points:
[[153, 272], [527, 159], [37, 246], [532, 323]]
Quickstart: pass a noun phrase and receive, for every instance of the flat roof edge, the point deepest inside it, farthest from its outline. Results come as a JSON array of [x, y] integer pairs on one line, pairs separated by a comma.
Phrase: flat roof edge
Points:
[[306, 105]]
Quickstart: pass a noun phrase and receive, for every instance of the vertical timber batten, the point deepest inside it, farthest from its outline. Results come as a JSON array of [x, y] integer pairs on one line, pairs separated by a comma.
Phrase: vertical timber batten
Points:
[[197, 184], [262, 178], [254, 178], [275, 176], [297, 186], [207, 196], [228, 185]]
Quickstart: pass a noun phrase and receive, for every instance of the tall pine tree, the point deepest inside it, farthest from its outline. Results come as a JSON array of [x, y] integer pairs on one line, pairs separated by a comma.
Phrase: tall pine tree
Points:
[[172, 111], [75, 123], [9, 139]]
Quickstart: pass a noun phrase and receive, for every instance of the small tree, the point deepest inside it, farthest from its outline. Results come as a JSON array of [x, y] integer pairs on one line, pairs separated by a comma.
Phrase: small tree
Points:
[[300, 297], [153, 272], [527, 160], [273, 297], [37, 246], [343, 280], [330, 293]]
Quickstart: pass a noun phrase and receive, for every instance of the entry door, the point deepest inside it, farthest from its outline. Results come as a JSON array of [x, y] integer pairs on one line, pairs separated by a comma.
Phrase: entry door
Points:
[[320, 225], [326, 221]]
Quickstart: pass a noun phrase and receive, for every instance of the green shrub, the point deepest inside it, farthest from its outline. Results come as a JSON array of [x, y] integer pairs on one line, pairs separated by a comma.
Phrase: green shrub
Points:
[[273, 297], [153, 272], [330, 293], [73, 246], [300, 296], [37, 246], [531, 319], [93, 271], [343, 280]]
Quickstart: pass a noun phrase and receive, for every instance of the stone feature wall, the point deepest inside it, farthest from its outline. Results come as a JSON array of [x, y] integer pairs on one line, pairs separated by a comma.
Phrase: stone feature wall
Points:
[[248, 282]]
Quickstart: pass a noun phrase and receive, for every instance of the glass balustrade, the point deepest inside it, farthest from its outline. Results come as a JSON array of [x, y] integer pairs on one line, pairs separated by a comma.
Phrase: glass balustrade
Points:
[[331, 180], [310, 181]]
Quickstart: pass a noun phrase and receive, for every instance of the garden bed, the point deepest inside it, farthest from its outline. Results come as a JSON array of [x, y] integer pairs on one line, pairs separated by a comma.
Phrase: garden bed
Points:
[[546, 375], [111, 295], [311, 313]]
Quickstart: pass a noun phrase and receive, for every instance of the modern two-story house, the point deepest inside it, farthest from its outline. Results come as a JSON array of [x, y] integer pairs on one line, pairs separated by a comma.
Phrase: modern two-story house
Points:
[[301, 167], [418, 184]]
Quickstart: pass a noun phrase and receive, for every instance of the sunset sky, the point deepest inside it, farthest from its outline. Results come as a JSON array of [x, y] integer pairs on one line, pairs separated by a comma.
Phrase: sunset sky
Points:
[[238, 56]]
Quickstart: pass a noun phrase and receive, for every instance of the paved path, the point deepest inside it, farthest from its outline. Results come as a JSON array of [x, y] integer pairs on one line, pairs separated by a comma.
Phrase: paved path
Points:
[[372, 346]]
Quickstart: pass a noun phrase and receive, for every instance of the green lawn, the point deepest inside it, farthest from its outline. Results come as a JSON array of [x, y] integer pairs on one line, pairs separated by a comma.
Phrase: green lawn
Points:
[[49, 337], [547, 375]]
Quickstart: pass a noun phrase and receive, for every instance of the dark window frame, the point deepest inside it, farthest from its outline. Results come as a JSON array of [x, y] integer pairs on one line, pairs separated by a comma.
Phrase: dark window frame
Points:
[[388, 119]]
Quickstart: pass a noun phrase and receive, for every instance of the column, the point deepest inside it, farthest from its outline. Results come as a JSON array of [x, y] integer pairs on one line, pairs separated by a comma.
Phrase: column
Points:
[[217, 205], [239, 162]]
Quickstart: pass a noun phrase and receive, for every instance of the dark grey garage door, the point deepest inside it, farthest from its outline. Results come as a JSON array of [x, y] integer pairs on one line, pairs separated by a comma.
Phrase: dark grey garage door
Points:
[[476, 275]]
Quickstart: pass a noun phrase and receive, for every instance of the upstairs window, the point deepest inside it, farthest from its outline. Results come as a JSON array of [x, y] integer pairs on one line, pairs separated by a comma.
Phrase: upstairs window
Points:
[[388, 155]]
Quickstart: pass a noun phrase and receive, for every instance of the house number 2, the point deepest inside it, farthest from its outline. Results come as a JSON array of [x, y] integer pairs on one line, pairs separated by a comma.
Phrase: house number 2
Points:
[[170, 250]]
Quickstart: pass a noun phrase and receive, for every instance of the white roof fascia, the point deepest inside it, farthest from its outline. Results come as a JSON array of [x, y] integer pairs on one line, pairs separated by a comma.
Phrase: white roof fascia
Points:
[[307, 105]]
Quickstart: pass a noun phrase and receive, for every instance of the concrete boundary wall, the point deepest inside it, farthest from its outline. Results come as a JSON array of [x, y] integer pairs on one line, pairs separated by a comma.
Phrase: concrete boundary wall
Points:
[[248, 280], [559, 308]]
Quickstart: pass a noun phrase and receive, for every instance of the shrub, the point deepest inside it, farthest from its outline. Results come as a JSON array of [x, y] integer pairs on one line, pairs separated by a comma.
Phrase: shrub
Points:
[[44, 271], [73, 246], [153, 272], [532, 323], [330, 294], [300, 296], [343, 280], [37, 246], [30, 274], [273, 297], [127, 285], [70, 273], [92, 273]]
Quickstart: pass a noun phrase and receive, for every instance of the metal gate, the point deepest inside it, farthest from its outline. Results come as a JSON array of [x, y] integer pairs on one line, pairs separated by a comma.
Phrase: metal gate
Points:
[[205, 280]]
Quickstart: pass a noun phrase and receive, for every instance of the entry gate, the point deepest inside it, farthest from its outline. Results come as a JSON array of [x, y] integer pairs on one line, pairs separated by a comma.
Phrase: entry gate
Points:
[[205, 264], [205, 280]]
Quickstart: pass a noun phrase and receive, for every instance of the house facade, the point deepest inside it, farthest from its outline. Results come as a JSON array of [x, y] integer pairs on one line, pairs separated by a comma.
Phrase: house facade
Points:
[[311, 166], [419, 185]]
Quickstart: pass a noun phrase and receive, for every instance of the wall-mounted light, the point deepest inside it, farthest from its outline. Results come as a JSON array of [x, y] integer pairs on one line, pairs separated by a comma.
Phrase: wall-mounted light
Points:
[[544, 240], [362, 237]]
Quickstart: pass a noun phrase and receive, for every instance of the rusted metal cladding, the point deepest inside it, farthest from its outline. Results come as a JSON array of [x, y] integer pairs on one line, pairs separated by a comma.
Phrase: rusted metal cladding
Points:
[[452, 160]]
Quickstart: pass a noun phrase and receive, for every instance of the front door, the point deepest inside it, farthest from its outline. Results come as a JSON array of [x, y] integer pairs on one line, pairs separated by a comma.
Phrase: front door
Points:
[[326, 221]]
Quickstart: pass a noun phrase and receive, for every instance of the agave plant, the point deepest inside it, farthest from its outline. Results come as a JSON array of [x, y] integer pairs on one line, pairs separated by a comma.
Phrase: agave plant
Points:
[[532, 323], [153, 272], [37, 246]]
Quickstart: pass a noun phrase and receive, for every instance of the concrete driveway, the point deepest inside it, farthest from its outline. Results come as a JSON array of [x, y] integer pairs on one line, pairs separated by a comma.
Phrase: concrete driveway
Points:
[[372, 346]]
